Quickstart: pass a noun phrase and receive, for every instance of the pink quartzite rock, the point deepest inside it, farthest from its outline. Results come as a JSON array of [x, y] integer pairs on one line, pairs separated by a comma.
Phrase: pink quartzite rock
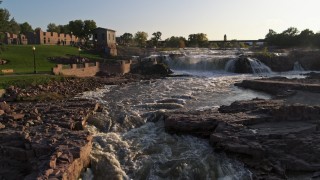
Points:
[[38, 141]]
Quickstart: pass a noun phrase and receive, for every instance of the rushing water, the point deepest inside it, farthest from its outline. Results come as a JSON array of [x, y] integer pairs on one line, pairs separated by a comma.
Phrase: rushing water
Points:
[[129, 137]]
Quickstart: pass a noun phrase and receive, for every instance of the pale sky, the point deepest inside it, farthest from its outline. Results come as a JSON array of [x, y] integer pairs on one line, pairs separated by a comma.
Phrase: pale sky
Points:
[[239, 19]]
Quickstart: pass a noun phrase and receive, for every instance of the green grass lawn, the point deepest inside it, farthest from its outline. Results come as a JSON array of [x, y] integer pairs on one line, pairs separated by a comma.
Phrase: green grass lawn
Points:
[[20, 57]]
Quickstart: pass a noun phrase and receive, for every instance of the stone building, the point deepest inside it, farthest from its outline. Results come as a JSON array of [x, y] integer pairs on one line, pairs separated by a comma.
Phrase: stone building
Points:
[[105, 39], [40, 37], [10, 38], [51, 38]]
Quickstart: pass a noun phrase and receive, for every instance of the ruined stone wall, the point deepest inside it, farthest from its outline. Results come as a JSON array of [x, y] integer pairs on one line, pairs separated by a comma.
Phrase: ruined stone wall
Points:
[[90, 69], [79, 70], [121, 67], [50, 38], [10, 38]]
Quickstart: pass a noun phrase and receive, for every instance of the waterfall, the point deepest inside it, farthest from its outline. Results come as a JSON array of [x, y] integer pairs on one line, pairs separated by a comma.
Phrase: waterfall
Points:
[[198, 62], [246, 65], [297, 67], [195, 59], [231, 65], [258, 67]]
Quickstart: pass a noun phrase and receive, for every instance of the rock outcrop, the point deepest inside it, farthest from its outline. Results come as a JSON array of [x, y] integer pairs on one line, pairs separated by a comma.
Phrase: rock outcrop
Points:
[[45, 140], [242, 65], [272, 139], [309, 60], [282, 86]]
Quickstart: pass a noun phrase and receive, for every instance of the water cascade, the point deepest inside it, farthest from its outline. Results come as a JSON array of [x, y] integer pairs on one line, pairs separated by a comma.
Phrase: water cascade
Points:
[[130, 141], [245, 64], [297, 67], [258, 67], [200, 60]]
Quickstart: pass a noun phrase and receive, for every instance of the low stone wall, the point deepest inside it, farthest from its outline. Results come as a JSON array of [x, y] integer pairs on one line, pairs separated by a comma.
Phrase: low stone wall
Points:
[[121, 67], [90, 69], [79, 70]]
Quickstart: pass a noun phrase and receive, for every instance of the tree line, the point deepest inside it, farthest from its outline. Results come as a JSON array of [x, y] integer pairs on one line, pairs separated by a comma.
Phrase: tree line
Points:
[[10, 25], [141, 39], [291, 37], [194, 40]]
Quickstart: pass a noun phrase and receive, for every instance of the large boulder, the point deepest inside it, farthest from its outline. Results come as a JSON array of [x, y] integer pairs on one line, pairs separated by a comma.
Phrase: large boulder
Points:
[[242, 65], [147, 68]]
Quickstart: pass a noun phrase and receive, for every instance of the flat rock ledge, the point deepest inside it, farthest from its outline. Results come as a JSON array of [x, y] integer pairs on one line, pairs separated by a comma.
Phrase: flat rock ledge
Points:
[[281, 86], [45, 140], [275, 141]]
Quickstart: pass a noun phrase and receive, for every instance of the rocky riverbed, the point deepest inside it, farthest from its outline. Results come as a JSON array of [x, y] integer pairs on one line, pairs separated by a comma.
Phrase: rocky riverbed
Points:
[[46, 137], [273, 138], [42, 128], [45, 140]]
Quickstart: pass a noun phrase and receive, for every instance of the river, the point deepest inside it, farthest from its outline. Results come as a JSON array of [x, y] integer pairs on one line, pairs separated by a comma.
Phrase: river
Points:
[[129, 137]]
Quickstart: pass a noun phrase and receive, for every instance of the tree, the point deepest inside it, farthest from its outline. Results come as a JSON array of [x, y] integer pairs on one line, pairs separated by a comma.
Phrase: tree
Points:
[[126, 38], [14, 27], [289, 37], [52, 27], [4, 20], [306, 38], [141, 37], [76, 27], [64, 29], [89, 26], [198, 40], [176, 42], [25, 28], [156, 38], [271, 37], [82, 29], [291, 31], [316, 39]]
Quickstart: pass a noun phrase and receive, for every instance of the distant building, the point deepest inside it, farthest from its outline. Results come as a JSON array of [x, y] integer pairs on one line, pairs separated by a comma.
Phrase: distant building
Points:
[[10, 38], [51, 38], [105, 39], [225, 37], [40, 37]]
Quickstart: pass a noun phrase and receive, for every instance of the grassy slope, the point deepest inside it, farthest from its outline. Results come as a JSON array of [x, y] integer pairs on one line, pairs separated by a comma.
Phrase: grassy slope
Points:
[[21, 56]]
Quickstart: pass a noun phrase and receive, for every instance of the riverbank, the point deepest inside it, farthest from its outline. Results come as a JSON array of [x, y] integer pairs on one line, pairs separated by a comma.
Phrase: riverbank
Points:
[[42, 127]]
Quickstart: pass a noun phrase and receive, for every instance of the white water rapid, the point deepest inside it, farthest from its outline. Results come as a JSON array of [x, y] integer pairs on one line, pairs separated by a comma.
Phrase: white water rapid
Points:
[[297, 67], [129, 137], [258, 67]]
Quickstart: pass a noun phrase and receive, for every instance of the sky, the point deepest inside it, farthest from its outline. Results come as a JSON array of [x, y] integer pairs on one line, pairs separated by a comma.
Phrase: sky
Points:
[[238, 19]]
